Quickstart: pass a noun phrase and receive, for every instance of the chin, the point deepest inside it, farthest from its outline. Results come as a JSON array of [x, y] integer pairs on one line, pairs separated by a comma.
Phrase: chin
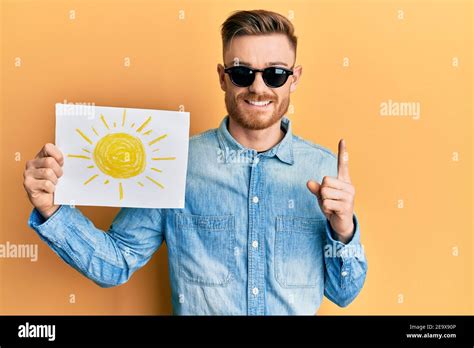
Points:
[[252, 117], [255, 121]]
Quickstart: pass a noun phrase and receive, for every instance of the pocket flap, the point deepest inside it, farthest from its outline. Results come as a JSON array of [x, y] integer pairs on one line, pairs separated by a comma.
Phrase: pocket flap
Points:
[[205, 222], [299, 224]]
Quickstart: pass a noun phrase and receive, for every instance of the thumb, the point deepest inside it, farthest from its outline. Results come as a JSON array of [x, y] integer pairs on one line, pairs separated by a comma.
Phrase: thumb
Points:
[[314, 187]]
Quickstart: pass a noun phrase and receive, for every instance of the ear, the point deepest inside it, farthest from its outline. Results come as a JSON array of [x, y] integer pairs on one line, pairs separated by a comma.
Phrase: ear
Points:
[[221, 73], [297, 72]]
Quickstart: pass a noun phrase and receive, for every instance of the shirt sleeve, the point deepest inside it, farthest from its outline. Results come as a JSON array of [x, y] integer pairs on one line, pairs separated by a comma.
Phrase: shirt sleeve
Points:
[[107, 258], [345, 267]]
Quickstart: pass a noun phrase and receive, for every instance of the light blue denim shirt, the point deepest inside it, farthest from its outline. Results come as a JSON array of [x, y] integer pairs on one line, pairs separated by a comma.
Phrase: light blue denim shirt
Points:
[[251, 239]]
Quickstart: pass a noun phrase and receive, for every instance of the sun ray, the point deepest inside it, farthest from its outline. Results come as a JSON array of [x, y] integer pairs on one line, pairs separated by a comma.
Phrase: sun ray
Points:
[[123, 117], [163, 158], [90, 166], [84, 136], [79, 156], [120, 190], [133, 125], [155, 150], [157, 139], [95, 131], [140, 183], [91, 178], [106, 182], [85, 150], [115, 124], [155, 182], [148, 132], [156, 170], [104, 121], [144, 124]]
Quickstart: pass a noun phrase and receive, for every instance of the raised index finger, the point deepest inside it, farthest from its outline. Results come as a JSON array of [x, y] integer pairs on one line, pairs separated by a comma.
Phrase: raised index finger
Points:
[[342, 162], [51, 150]]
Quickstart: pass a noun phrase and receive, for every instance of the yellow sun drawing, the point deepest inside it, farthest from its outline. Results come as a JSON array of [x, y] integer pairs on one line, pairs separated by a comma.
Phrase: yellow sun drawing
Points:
[[120, 155]]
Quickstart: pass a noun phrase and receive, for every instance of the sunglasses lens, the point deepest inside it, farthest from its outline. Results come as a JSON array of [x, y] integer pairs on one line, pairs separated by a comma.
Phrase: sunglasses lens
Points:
[[275, 77], [242, 76]]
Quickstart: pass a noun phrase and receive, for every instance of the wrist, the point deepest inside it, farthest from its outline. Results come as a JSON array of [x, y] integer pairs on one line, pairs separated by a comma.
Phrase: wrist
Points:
[[345, 235], [46, 213]]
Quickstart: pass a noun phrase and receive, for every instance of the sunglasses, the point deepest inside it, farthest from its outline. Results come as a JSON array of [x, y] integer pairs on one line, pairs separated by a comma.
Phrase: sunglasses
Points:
[[243, 76]]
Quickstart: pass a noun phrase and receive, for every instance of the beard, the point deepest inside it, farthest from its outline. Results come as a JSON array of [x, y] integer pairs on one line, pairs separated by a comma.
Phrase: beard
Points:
[[255, 119]]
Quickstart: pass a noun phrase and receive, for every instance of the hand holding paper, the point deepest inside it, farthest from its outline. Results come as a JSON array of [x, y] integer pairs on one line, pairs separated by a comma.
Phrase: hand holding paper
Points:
[[41, 176]]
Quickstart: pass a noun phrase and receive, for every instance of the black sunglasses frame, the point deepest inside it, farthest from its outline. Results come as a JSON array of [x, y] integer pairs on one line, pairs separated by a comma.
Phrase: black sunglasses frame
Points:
[[288, 73]]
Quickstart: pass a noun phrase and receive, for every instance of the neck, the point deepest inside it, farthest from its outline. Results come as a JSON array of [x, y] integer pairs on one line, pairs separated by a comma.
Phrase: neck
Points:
[[259, 140]]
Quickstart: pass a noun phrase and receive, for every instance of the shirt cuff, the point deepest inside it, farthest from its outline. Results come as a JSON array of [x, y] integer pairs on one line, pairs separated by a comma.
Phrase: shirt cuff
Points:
[[344, 249], [53, 228]]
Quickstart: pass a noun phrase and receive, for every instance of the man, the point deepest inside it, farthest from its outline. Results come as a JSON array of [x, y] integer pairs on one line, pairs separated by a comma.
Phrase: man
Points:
[[268, 225]]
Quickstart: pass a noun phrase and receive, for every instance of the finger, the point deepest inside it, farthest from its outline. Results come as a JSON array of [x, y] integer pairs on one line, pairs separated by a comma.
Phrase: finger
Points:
[[48, 162], [329, 181], [334, 194], [330, 206], [314, 187], [40, 186], [342, 162], [51, 150], [45, 174]]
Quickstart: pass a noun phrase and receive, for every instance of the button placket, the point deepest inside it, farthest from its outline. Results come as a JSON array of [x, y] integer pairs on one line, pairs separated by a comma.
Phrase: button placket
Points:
[[255, 266]]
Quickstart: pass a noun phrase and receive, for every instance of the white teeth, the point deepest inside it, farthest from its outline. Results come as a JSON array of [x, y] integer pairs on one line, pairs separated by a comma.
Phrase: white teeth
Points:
[[259, 103]]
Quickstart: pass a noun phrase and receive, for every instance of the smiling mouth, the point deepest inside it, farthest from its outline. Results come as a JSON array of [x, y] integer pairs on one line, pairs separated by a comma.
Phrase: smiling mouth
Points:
[[262, 103]]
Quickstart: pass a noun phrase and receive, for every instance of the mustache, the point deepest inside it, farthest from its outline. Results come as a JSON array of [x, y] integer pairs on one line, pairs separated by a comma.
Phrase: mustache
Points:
[[256, 97]]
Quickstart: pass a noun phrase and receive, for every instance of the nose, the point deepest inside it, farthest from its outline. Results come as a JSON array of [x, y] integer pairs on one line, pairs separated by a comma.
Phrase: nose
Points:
[[258, 86]]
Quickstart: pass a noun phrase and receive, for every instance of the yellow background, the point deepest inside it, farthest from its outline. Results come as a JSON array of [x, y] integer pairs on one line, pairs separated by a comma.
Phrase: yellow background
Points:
[[173, 62]]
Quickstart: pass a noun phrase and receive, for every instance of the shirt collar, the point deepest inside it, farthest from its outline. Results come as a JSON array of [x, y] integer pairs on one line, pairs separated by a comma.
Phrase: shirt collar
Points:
[[283, 150]]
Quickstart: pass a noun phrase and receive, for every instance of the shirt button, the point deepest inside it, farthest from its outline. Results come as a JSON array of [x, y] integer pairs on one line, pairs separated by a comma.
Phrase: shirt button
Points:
[[255, 291], [255, 244], [255, 199], [343, 273]]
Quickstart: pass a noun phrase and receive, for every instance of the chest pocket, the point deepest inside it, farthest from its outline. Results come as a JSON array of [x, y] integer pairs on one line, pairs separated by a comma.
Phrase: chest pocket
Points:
[[205, 248], [298, 257]]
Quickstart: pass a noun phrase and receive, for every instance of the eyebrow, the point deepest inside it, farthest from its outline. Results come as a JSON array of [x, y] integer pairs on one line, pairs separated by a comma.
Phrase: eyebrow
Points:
[[268, 64]]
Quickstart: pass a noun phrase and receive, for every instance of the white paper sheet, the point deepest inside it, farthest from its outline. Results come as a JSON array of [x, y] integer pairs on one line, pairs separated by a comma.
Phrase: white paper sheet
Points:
[[122, 157]]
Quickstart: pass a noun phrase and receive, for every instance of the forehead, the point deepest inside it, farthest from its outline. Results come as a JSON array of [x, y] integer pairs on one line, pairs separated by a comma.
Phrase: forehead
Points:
[[260, 50]]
